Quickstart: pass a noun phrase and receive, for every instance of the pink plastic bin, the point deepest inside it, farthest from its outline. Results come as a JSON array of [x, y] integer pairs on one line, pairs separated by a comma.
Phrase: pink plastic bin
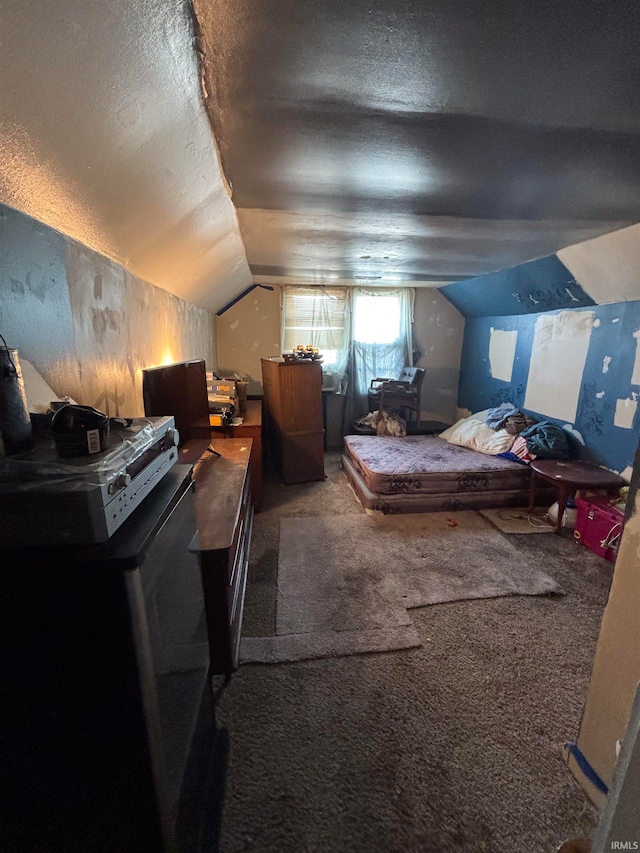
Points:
[[599, 526]]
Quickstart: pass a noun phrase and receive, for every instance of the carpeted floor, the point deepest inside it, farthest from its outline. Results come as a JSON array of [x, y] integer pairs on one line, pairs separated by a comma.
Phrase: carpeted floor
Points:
[[346, 583], [452, 746], [518, 520]]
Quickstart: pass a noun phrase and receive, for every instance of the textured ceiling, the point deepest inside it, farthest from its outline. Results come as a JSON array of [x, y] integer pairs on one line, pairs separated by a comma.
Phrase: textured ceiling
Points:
[[104, 136], [386, 141], [422, 141]]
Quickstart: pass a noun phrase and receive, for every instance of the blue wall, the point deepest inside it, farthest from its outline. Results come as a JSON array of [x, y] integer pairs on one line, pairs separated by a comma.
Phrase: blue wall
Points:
[[542, 285], [606, 444]]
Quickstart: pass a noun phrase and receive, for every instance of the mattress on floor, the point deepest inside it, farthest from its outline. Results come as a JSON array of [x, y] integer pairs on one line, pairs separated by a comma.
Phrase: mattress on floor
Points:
[[437, 501], [428, 465]]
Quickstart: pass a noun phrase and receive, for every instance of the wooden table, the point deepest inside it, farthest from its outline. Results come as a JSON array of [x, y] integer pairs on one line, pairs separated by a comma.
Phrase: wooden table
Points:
[[571, 476], [251, 427]]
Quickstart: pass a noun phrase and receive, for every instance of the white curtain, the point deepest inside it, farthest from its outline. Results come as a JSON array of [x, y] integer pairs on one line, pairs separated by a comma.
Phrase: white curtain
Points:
[[381, 339], [319, 317]]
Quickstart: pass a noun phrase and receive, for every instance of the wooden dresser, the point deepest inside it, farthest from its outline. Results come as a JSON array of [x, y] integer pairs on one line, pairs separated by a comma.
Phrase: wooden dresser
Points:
[[224, 517], [251, 427], [293, 410], [224, 512], [109, 732]]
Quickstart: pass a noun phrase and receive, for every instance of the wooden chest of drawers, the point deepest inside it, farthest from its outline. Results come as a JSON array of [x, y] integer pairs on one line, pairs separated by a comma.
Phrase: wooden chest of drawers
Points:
[[293, 406], [224, 515]]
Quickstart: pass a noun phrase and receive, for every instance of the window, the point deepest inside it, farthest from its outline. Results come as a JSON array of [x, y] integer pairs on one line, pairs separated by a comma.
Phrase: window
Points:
[[376, 319], [381, 336], [316, 316]]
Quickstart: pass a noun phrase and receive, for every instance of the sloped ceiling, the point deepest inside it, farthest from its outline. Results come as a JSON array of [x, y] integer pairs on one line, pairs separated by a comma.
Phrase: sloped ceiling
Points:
[[104, 136], [387, 141], [596, 272], [422, 141], [608, 267]]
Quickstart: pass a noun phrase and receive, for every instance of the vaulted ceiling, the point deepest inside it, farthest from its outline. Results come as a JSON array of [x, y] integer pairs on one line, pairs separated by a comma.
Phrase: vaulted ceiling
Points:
[[422, 141], [382, 141]]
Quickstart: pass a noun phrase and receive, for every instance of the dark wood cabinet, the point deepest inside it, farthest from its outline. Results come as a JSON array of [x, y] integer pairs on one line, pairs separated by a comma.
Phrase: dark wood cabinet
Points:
[[180, 390], [108, 736], [223, 497], [225, 519], [333, 409], [293, 409]]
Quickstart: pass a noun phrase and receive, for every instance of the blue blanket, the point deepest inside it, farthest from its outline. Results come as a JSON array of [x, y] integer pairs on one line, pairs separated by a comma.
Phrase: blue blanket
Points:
[[547, 440]]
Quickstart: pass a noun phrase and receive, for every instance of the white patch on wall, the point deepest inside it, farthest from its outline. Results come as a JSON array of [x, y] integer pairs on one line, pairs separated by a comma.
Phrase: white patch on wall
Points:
[[616, 320], [625, 413], [596, 323], [558, 356], [635, 379], [606, 361], [600, 395], [502, 351], [607, 266], [574, 432]]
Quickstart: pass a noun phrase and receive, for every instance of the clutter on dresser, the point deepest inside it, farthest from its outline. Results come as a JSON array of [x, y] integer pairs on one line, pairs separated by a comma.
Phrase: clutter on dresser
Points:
[[303, 353], [227, 399], [222, 397], [83, 478]]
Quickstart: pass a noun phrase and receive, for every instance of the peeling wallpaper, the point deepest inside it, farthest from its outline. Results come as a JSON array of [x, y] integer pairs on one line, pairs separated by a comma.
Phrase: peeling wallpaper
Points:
[[604, 382], [608, 267], [542, 285], [86, 324], [575, 361]]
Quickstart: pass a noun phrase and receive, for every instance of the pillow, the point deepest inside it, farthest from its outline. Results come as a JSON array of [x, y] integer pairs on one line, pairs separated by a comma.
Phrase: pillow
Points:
[[476, 435], [450, 430], [478, 416], [481, 416]]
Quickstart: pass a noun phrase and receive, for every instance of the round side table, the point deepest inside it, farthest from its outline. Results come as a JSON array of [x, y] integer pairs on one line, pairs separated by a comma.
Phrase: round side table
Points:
[[571, 476]]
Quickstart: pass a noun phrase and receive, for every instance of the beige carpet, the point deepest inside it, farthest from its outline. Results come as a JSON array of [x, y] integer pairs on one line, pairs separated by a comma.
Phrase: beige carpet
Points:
[[345, 583]]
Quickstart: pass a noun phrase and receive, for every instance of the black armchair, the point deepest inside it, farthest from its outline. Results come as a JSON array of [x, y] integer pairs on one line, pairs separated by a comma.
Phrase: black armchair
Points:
[[401, 393]]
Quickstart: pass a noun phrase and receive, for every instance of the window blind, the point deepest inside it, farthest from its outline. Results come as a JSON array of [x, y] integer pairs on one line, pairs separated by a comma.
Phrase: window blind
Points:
[[314, 316]]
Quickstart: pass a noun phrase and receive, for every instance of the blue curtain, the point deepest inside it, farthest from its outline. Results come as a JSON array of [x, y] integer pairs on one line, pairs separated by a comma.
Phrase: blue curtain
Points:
[[381, 340]]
